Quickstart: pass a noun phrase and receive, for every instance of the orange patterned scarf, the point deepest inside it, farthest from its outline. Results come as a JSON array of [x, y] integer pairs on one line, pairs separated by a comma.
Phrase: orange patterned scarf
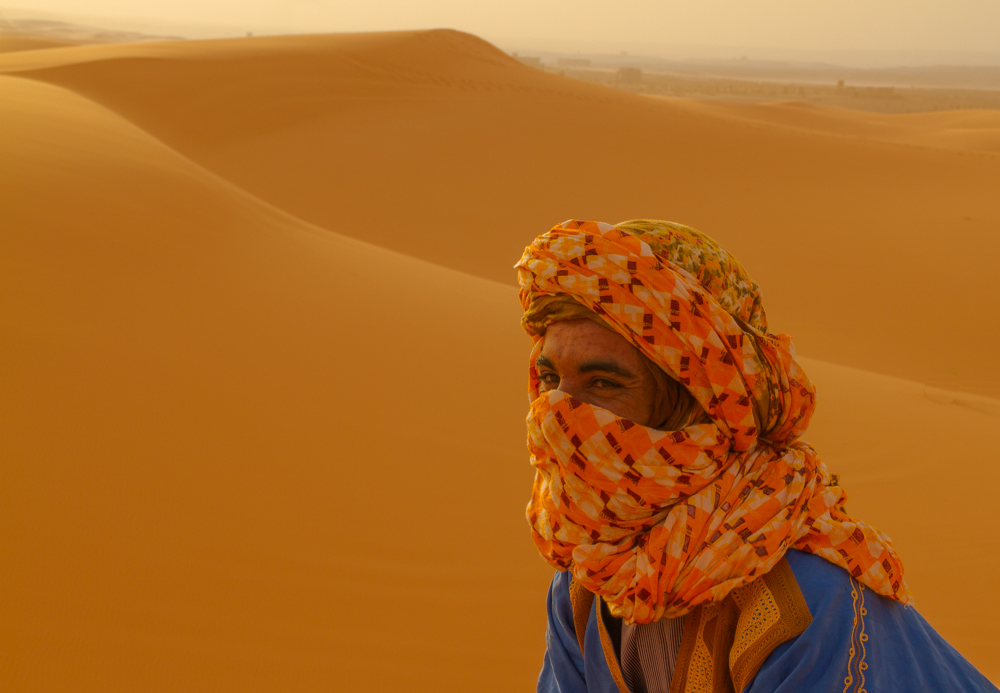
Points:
[[658, 522]]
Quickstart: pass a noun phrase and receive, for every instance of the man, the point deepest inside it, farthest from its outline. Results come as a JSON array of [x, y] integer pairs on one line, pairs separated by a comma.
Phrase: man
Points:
[[700, 546]]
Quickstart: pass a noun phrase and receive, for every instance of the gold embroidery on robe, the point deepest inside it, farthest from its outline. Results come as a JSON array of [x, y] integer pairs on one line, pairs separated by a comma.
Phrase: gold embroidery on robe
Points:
[[725, 643], [728, 642], [858, 652], [610, 655]]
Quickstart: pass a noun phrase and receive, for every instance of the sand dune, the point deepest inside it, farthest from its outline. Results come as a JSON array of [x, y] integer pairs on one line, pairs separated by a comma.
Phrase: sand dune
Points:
[[422, 141], [12, 44], [242, 453], [973, 131], [251, 449]]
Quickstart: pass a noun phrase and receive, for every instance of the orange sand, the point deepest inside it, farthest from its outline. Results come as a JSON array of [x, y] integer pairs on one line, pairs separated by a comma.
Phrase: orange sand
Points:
[[253, 440]]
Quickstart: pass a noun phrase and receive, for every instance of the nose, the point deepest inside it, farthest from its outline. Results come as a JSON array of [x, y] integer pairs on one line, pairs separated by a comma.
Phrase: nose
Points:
[[571, 386]]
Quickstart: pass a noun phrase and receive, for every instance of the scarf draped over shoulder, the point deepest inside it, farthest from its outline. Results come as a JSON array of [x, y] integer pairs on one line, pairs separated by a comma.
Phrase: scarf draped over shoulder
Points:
[[658, 520]]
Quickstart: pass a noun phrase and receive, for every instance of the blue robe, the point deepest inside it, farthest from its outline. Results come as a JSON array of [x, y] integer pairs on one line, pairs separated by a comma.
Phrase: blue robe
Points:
[[894, 648]]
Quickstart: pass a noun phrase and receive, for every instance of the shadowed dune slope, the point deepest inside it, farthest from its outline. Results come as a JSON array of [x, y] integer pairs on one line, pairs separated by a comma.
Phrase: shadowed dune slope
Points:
[[245, 452], [440, 146], [242, 453]]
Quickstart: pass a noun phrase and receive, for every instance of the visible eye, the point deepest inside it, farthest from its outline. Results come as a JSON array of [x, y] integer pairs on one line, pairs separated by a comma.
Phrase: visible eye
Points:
[[604, 384], [548, 380]]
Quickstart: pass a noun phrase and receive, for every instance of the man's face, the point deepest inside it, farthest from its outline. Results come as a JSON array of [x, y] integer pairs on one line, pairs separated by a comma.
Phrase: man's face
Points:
[[599, 367]]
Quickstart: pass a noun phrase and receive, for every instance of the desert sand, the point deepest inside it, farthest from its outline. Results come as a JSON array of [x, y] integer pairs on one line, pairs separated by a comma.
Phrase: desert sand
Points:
[[879, 91], [11, 44], [264, 382], [969, 131]]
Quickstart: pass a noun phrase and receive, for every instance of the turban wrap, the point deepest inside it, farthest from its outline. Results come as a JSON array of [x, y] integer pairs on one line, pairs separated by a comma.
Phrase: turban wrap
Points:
[[658, 520]]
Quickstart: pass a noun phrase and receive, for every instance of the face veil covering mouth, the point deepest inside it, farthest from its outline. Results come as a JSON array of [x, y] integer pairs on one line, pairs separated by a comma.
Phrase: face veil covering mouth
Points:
[[660, 521]]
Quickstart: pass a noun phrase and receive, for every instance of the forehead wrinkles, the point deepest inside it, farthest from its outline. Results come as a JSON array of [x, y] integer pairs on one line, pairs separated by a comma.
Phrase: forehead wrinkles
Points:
[[588, 345]]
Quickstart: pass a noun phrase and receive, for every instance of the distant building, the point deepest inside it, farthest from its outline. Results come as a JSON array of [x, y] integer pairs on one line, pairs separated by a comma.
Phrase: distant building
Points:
[[531, 61], [574, 62], [628, 75]]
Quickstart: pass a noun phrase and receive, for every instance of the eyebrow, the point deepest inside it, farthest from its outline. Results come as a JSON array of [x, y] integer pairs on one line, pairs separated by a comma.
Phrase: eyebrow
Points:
[[605, 367], [590, 367], [544, 362]]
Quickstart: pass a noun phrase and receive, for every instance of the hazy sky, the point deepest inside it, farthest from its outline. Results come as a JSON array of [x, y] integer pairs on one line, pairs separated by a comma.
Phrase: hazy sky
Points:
[[935, 25]]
